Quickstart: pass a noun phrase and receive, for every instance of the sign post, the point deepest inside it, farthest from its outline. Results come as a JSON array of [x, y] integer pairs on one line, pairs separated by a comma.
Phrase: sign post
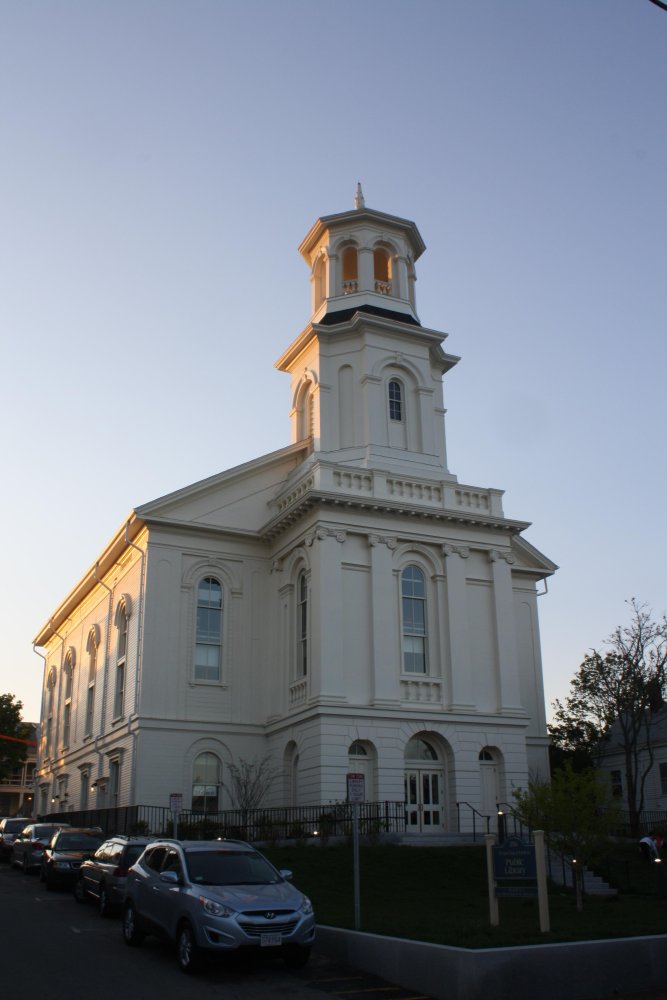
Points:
[[175, 808], [516, 868], [356, 793]]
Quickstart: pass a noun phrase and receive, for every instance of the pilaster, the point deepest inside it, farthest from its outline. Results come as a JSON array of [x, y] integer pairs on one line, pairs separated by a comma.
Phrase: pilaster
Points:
[[386, 656], [509, 692], [459, 652]]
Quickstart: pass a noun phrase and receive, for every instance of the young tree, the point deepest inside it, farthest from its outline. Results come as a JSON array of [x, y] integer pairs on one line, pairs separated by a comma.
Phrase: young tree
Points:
[[577, 813], [249, 782], [13, 735], [612, 701]]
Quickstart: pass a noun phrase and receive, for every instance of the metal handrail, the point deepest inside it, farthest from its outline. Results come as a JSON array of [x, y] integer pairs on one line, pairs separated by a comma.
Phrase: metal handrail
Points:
[[475, 814]]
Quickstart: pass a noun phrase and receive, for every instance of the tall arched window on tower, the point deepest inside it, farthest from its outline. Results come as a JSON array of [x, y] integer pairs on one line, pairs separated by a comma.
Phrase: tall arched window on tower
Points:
[[382, 271], [206, 783], [302, 626], [395, 391], [208, 654], [413, 607], [350, 271]]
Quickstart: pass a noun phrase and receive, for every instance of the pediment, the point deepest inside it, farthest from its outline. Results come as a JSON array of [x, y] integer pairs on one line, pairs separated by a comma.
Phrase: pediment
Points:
[[529, 559], [236, 499]]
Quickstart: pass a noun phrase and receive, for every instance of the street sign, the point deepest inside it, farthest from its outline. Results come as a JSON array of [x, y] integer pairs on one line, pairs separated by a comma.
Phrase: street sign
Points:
[[356, 787], [175, 803]]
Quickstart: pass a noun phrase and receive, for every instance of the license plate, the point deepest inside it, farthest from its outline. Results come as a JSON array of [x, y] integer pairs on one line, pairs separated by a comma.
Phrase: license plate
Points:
[[270, 940]]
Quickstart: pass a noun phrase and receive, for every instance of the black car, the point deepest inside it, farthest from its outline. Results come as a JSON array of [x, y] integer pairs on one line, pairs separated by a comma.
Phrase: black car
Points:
[[65, 854], [102, 876]]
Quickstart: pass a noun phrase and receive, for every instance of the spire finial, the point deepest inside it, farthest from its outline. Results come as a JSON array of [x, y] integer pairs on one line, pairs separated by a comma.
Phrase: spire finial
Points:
[[359, 197]]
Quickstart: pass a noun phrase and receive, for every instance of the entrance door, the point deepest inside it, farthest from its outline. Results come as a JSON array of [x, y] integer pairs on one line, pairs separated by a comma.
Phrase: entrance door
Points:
[[488, 775], [423, 801]]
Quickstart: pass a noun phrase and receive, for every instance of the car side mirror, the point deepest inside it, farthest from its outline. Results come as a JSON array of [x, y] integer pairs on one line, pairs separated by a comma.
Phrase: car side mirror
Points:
[[286, 874], [171, 878]]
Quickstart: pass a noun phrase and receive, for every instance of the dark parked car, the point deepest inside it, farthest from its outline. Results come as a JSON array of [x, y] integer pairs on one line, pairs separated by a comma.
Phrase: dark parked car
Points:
[[102, 876], [29, 845], [216, 896], [65, 854], [9, 829]]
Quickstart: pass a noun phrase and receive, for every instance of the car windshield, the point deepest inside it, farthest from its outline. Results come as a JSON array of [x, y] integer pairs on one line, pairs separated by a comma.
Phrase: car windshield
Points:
[[14, 825], [78, 842], [229, 868]]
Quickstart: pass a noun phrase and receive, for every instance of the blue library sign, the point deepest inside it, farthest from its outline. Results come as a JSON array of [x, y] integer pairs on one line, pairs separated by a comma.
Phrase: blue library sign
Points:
[[514, 862]]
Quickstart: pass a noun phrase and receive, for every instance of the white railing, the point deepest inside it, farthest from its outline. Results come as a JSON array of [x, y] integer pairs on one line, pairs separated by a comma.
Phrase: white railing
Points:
[[383, 287], [350, 286]]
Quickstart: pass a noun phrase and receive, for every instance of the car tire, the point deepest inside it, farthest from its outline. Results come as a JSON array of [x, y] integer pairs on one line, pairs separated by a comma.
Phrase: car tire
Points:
[[295, 956], [103, 903], [132, 932], [187, 950], [79, 891]]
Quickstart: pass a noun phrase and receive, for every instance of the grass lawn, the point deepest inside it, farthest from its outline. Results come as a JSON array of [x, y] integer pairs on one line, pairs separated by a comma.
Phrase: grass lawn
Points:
[[439, 894]]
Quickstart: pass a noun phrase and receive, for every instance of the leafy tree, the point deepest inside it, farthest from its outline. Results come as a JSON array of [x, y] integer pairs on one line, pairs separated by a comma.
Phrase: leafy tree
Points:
[[13, 733], [577, 812], [612, 701]]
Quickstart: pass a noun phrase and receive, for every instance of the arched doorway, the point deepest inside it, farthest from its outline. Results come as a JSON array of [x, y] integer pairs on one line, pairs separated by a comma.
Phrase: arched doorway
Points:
[[489, 782], [424, 788], [361, 761]]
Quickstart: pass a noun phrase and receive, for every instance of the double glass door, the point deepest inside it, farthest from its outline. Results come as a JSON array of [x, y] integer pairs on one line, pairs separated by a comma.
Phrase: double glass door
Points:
[[423, 801]]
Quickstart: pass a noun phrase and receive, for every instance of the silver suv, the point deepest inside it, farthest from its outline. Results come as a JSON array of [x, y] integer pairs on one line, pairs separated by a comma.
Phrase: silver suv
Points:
[[215, 896]]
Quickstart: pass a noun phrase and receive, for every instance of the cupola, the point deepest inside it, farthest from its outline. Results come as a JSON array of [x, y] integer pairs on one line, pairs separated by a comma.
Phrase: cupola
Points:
[[362, 260]]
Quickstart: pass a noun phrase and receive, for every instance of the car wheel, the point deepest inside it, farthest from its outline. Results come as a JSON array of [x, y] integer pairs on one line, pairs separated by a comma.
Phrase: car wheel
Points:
[[132, 932], [295, 956], [103, 904], [189, 955], [79, 891]]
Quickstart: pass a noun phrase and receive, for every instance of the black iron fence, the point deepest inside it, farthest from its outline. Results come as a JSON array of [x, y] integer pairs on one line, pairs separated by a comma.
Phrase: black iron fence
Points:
[[283, 823]]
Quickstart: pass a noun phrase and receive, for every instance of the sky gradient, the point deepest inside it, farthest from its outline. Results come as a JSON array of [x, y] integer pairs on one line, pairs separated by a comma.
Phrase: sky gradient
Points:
[[161, 162]]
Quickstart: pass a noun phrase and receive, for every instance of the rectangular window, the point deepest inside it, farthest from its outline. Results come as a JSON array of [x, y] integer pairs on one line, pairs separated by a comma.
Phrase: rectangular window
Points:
[[90, 707], [119, 697], [67, 719], [663, 779], [617, 784], [413, 606], [114, 782]]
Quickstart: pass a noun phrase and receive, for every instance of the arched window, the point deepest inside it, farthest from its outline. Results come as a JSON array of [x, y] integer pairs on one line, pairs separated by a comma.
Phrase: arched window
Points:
[[417, 749], [91, 648], [413, 606], [122, 623], [382, 271], [350, 271], [50, 701], [68, 676], [302, 626], [485, 755], [208, 655], [395, 391], [357, 749], [206, 783]]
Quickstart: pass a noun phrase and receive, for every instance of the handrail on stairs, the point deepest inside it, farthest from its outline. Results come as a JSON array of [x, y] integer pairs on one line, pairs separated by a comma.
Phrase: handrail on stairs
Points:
[[475, 814]]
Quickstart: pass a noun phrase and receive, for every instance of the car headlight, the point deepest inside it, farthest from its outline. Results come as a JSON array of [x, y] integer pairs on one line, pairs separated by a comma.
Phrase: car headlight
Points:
[[215, 908], [306, 905]]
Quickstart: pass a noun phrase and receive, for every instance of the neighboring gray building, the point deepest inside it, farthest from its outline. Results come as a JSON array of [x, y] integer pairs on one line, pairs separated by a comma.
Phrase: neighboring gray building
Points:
[[342, 604]]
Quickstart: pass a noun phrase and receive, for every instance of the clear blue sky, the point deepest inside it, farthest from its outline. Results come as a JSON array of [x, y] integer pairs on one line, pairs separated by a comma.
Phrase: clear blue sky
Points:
[[162, 160]]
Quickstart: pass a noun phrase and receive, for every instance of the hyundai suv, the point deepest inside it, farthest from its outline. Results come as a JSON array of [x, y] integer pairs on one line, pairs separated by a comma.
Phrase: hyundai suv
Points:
[[215, 896], [103, 875]]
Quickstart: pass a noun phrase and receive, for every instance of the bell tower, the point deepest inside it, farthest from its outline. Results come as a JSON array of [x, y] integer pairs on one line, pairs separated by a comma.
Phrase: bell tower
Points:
[[366, 375]]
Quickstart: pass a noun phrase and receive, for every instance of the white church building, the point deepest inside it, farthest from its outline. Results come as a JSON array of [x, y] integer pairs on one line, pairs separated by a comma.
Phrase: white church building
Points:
[[341, 605]]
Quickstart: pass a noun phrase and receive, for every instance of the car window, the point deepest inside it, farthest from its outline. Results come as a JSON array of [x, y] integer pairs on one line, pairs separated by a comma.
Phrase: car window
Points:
[[114, 853], [172, 863], [155, 857], [13, 825], [229, 868], [76, 842], [132, 853]]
